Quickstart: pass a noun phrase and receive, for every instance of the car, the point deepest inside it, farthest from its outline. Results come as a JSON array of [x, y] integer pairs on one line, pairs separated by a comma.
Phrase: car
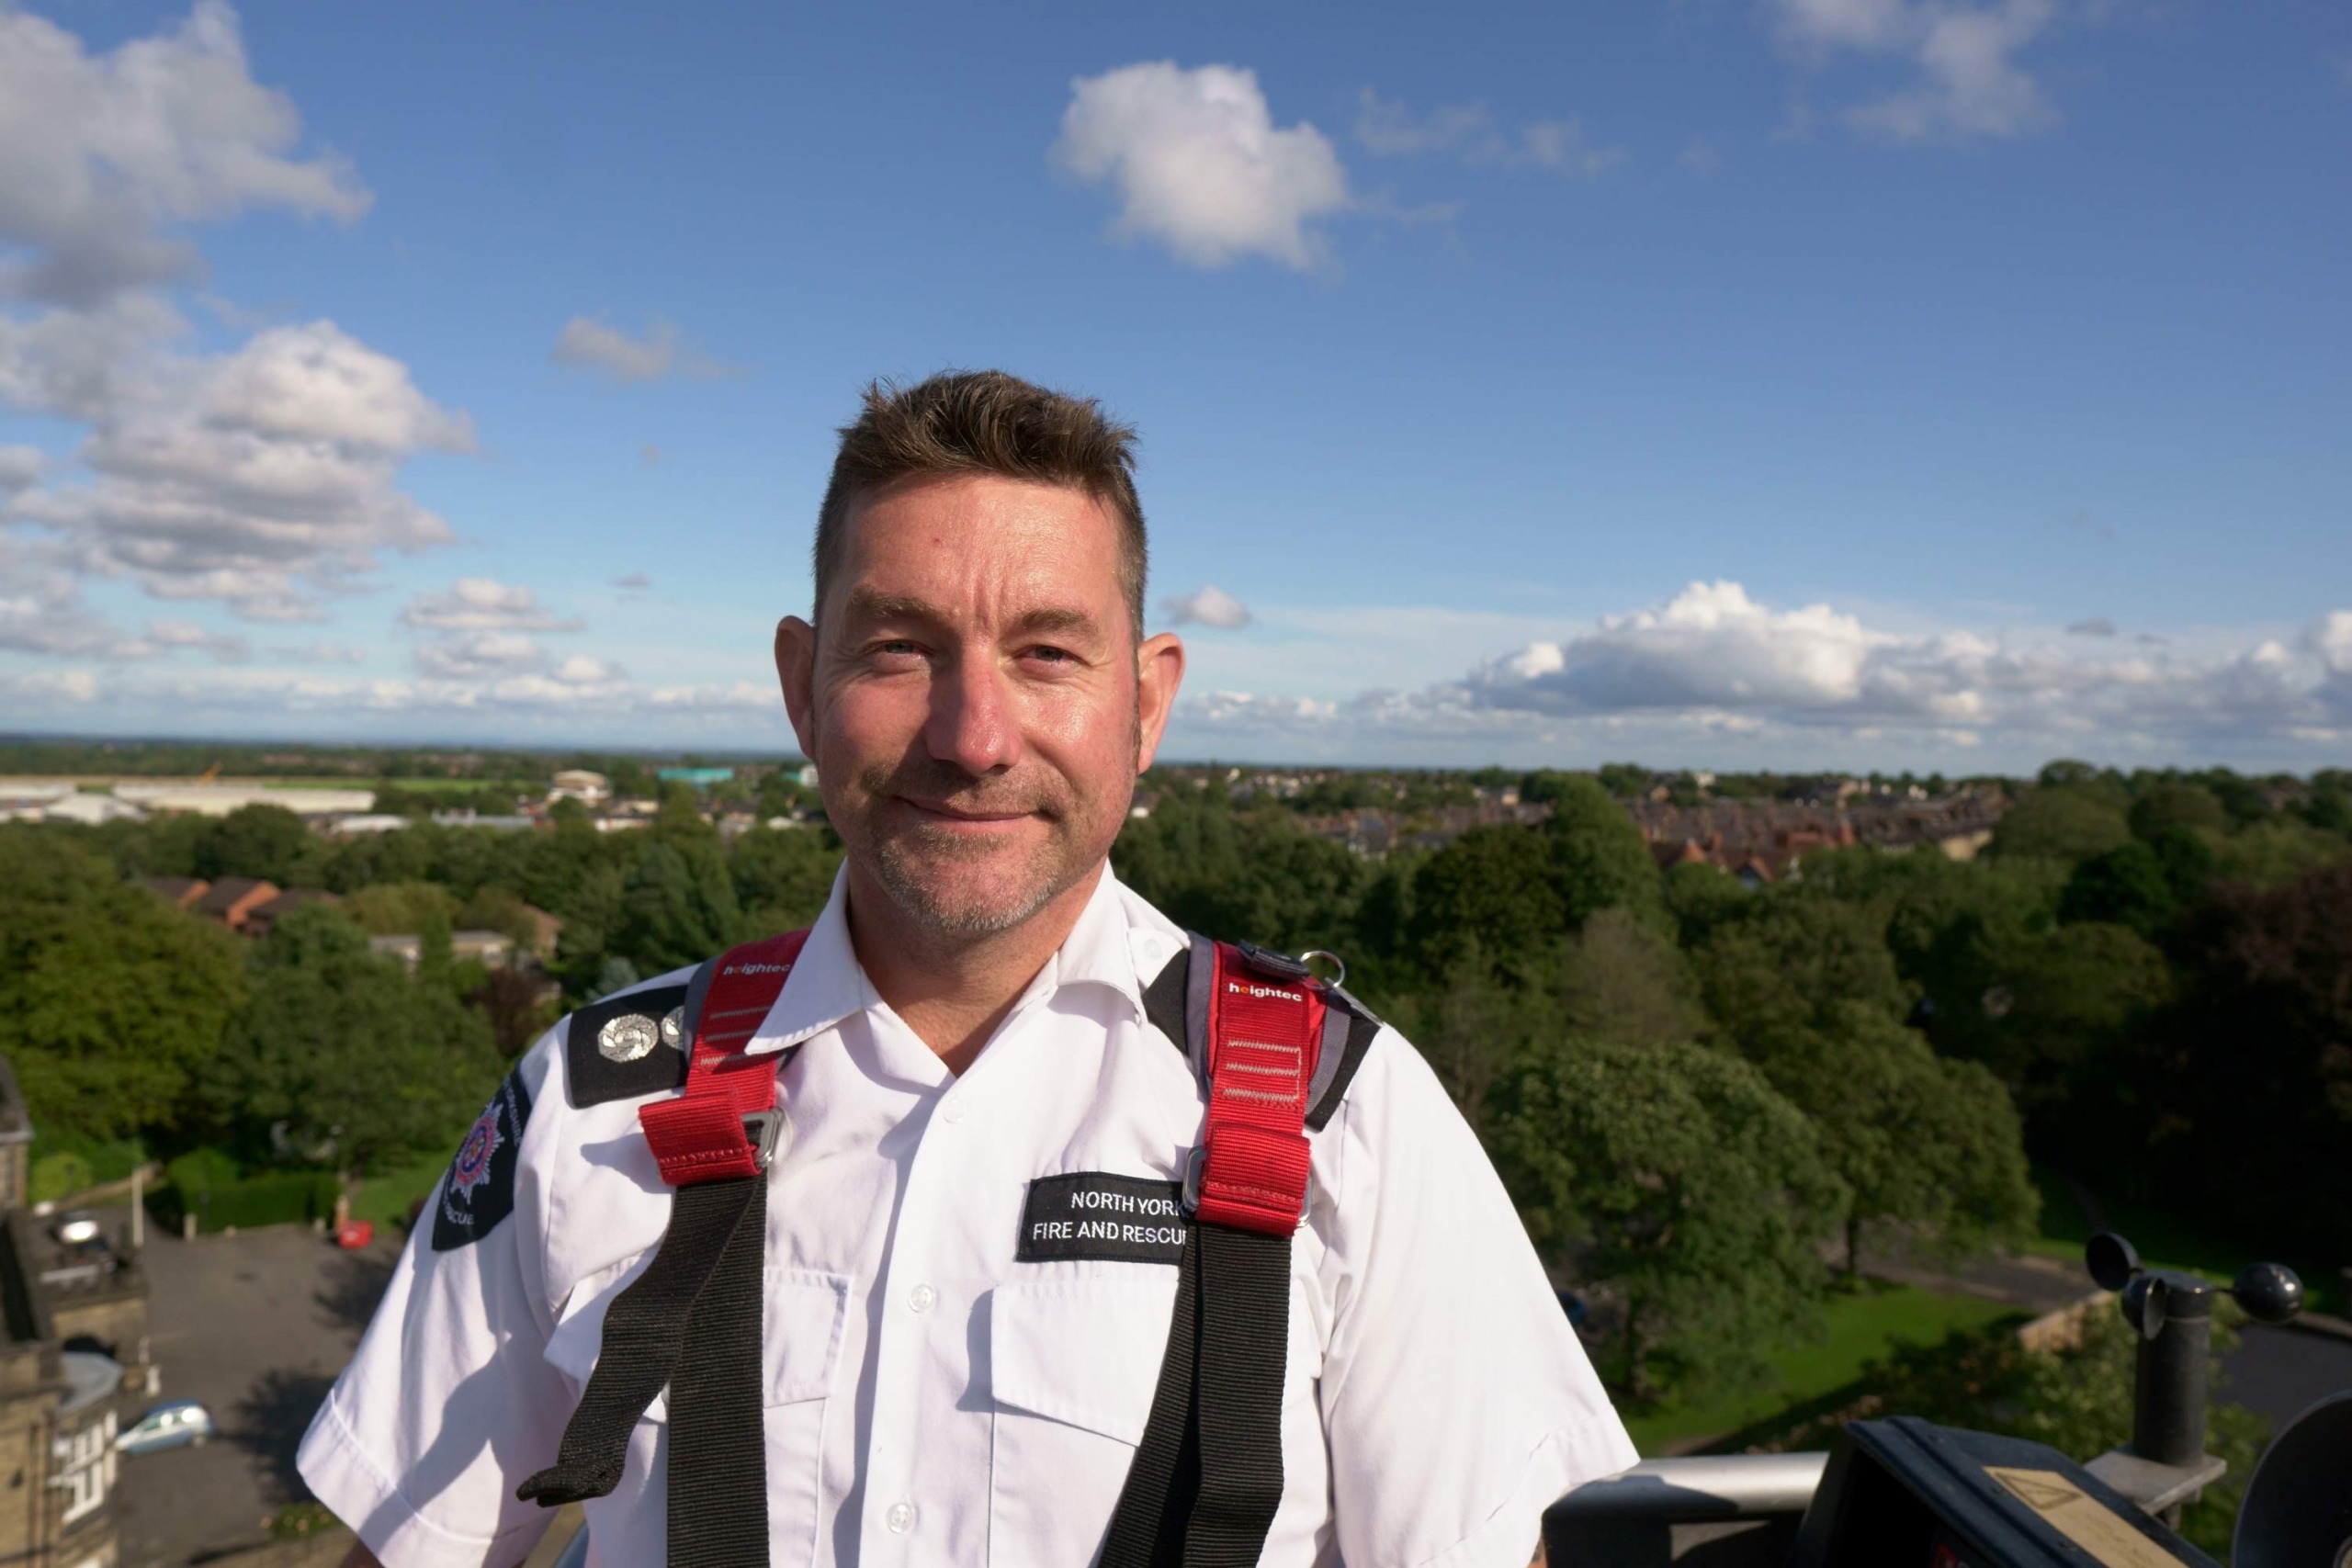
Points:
[[176, 1423]]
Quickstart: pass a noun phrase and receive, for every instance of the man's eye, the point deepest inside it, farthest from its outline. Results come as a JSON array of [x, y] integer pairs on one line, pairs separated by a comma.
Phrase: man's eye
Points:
[[895, 647], [1051, 655]]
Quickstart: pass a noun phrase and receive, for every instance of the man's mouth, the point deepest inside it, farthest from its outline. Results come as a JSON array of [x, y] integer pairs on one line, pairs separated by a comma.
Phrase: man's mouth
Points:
[[944, 811]]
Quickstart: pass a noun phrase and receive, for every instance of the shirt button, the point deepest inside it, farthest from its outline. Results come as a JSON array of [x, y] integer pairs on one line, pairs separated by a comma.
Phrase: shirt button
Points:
[[923, 1298], [954, 1112], [900, 1518]]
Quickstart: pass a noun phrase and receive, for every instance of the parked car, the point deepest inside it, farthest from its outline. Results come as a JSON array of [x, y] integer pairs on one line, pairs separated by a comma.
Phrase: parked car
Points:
[[176, 1423]]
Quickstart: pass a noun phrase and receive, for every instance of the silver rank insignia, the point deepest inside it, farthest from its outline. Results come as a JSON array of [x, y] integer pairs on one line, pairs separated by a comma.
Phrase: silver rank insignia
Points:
[[627, 1037], [673, 1028]]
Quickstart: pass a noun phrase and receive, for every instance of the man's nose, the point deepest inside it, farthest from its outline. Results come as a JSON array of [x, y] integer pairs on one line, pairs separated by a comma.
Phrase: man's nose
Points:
[[972, 722]]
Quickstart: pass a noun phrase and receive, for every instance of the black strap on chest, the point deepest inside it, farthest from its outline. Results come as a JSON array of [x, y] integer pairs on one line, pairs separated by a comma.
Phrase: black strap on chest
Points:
[[1207, 1475], [692, 1320]]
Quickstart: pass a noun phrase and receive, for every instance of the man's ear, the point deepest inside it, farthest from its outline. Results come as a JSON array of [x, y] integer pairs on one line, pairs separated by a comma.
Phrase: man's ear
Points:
[[1159, 670], [795, 671]]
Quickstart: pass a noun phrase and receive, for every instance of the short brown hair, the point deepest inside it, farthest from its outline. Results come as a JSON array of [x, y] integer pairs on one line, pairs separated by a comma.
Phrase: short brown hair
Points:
[[985, 422]]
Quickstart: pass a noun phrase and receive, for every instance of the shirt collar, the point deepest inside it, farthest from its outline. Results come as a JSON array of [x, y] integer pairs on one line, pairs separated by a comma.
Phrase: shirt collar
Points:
[[1116, 935]]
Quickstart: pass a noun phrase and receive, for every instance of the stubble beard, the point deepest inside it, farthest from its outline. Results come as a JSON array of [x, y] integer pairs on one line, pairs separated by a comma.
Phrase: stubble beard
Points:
[[909, 860]]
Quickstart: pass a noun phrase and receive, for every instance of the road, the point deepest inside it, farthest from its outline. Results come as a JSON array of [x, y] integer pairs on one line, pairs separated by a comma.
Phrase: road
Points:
[[256, 1326]]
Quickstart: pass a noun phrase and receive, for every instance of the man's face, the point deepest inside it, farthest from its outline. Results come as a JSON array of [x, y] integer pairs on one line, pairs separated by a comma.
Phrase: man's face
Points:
[[974, 698]]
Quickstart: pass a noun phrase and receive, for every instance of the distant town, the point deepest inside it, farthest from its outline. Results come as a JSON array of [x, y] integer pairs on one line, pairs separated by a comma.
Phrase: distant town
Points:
[[1759, 827]]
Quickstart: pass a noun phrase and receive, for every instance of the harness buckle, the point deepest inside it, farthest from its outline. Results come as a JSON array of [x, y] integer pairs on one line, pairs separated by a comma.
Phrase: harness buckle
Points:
[[765, 1131]]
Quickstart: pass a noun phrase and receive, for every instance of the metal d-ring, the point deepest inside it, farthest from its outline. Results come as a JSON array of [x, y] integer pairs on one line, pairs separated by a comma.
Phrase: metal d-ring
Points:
[[1337, 963]]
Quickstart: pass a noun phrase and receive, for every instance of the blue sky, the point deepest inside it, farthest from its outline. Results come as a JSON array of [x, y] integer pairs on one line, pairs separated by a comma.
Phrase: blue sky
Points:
[[1803, 383]]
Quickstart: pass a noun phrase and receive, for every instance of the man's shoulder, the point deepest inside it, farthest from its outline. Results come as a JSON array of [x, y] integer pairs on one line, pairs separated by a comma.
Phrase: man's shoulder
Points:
[[628, 1044]]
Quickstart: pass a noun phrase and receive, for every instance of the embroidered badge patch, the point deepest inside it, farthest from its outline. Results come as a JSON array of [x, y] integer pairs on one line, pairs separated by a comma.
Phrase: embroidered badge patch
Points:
[[479, 1189], [1093, 1214]]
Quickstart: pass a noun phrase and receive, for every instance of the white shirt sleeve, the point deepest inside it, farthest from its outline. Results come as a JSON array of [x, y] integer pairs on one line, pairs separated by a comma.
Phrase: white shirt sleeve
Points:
[[1457, 1402], [450, 1401]]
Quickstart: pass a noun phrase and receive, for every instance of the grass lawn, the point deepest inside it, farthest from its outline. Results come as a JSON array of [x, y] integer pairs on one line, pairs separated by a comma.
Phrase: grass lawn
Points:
[[452, 786], [385, 1199], [1863, 1328]]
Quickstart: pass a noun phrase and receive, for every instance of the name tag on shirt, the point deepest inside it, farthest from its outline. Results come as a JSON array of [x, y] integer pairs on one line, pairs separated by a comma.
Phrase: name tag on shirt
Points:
[[1096, 1216]]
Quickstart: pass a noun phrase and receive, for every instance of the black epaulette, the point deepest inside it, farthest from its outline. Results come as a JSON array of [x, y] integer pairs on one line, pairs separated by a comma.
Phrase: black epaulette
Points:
[[632, 1044]]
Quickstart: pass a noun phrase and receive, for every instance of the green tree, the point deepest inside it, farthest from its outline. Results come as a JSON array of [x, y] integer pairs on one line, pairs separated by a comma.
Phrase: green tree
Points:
[[1622, 978], [495, 908], [1492, 891], [1929, 1144], [2246, 1082], [267, 841], [677, 907], [2046, 1010], [341, 1057], [1598, 858], [2278, 853], [1253, 876], [110, 997], [2124, 886], [1472, 1027], [1702, 897], [2067, 822], [2173, 803], [1792, 962], [1674, 1179], [2189, 863], [783, 875]]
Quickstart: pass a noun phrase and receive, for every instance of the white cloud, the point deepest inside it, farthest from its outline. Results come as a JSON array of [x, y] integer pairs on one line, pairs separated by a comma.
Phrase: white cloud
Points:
[[634, 582], [100, 153], [578, 698], [1712, 668], [1199, 164], [263, 477], [486, 639], [228, 647], [320, 653], [1472, 133], [1212, 606], [1967, 81], [591, 345], [484, 604], [21, 468], [41, 609], [2096, 626], [476, 655]]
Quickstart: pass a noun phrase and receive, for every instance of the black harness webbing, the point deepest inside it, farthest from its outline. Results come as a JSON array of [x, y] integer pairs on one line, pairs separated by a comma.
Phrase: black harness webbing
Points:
[[689, 1317], [719, 1447], [1207, 1475], [693, 1322]]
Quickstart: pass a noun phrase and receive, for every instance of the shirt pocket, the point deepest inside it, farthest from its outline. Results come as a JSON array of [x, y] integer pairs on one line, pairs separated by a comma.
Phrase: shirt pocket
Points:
[[802, 1315], [803, 1318], [1073, 1362]]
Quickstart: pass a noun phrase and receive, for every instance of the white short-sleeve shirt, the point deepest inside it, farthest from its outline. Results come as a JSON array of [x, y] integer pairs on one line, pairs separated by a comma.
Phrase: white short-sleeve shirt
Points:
[[929, 1397]]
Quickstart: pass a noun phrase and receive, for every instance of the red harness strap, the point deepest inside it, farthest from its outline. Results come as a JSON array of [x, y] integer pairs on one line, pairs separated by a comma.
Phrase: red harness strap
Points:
[[725, 1124], [1265, 1030]]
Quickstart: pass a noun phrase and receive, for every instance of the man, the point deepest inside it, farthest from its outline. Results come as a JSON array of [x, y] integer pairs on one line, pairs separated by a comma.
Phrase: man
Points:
[[937, 1385]]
